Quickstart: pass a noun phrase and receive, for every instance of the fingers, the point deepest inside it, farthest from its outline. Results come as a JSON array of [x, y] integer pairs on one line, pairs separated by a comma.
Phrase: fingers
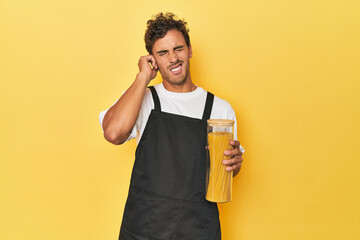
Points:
[[148, 66], [153, 62], [235, 144], [233, 164], [145, 60], [233, 167], [233, 161], [233, 152]]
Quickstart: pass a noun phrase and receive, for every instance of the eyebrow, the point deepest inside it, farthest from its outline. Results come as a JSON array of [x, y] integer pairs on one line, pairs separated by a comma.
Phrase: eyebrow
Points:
[[165, 51]]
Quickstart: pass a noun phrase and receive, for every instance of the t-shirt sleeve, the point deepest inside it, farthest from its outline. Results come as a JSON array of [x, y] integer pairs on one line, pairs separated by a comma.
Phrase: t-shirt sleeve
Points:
[[101, 118], [233, 117]]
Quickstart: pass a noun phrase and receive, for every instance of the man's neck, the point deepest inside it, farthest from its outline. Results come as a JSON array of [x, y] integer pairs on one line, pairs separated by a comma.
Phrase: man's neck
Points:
[[187, 86]]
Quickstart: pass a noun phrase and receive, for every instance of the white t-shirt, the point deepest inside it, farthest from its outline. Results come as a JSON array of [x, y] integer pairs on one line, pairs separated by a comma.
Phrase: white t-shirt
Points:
[[190, 104]]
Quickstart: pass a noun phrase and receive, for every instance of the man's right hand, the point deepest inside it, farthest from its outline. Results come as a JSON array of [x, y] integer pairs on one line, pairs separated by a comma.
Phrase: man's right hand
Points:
[[144, 67]]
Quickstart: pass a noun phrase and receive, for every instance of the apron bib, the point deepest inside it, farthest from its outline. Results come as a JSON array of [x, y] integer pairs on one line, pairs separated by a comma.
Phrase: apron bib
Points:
[[166, 198]]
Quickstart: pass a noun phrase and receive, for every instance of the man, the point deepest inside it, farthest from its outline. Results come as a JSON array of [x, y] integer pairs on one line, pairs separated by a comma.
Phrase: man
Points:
[[167, 190]]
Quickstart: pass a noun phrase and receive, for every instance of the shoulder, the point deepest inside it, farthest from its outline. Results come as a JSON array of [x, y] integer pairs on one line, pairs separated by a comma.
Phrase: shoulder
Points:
[[219, 102], [222, 109]]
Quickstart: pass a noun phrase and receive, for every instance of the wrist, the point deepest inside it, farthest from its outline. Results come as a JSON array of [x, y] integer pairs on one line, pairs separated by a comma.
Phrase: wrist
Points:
[[143, 77]]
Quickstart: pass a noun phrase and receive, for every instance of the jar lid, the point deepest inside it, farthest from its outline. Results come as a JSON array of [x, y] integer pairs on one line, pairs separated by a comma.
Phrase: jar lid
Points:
[[221, 122]]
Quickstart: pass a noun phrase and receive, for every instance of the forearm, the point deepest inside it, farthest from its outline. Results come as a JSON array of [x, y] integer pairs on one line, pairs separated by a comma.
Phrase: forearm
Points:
[[121, 117]]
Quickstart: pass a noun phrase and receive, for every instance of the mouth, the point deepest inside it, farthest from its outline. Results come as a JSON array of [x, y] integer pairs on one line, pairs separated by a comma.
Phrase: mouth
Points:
[[176, 69]]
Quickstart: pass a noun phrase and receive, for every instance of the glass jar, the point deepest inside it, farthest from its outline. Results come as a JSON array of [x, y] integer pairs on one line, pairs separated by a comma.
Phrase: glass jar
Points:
[[219, 181]]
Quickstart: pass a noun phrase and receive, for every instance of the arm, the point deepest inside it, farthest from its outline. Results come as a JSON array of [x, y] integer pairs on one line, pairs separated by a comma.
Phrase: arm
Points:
[[121, 117]]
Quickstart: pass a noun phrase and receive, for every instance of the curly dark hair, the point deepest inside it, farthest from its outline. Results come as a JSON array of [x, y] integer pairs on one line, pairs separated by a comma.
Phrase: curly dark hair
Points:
[[160, 25]]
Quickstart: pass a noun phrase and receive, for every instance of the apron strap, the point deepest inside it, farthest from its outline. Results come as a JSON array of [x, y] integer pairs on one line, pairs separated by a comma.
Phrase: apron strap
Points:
[[155, 98], [207, 109], [208, 106]]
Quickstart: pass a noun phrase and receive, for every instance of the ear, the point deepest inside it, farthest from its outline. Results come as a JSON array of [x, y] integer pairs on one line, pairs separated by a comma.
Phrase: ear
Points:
[[190, 51]]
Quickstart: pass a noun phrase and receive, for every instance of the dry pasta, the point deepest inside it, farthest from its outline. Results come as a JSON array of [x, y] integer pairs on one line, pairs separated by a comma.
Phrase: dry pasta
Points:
[[220, 181]]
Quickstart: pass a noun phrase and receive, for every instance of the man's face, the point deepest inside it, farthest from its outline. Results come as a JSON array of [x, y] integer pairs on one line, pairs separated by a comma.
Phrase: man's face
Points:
[[172, 57]]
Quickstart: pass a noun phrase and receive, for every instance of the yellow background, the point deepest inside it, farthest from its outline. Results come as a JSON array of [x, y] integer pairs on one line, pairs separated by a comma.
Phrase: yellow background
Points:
[[290, 69]]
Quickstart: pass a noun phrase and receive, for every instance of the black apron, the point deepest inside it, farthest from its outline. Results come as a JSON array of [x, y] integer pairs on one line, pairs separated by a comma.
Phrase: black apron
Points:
[[166, 198]]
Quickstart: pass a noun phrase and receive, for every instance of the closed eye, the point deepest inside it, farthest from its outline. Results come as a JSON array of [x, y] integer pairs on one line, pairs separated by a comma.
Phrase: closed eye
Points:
[[162, 53], [180, 48]]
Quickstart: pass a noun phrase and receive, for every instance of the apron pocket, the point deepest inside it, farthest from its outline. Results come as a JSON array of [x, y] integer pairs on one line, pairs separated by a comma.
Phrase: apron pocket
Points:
[[164, 217], [193, 221], [137, 214], [174, 219]]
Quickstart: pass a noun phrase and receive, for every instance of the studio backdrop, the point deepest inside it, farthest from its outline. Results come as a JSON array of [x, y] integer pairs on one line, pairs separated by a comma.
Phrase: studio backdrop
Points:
[[290, 69]]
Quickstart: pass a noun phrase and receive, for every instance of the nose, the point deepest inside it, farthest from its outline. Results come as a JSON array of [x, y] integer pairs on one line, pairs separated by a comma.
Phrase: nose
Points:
[[173, 57]]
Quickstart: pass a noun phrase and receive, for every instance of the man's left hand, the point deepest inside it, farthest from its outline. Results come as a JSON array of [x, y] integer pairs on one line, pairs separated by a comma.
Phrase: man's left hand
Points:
[[235, 161]]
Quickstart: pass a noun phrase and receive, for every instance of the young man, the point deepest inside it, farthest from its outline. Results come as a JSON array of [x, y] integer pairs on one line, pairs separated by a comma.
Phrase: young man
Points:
[[167, 190]]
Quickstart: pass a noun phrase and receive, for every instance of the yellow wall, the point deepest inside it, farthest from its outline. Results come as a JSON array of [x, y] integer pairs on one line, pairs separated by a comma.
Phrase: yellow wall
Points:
[[290, 69]]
